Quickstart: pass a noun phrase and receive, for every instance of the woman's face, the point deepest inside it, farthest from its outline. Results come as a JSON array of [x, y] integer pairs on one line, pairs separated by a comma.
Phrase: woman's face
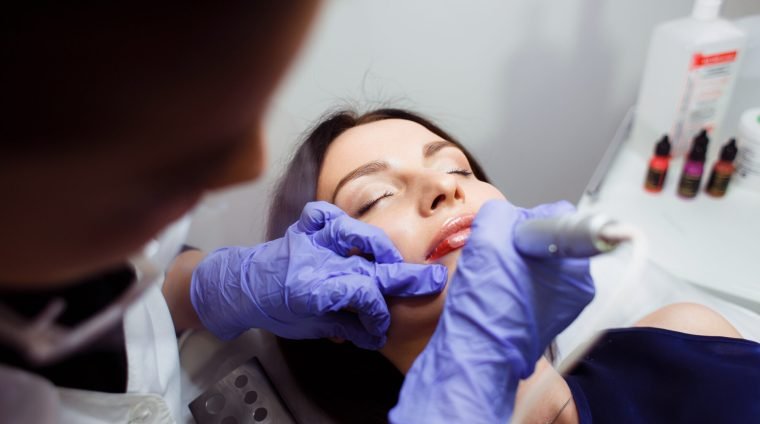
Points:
[[399, 176]]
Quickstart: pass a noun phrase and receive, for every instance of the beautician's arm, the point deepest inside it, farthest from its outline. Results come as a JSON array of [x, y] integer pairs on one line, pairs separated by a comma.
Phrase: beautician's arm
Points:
[[176, 290], [501, 312]]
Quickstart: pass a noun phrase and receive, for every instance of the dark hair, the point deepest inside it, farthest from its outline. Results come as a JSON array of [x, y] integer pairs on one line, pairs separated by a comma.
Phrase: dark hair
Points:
[[351, 384]]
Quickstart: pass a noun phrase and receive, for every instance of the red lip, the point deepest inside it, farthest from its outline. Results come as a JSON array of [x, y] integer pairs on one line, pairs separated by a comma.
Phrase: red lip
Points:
[[440, 245]]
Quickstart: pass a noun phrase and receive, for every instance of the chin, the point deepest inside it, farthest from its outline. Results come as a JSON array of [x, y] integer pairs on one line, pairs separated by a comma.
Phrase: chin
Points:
[[412, 318], [450, 261]]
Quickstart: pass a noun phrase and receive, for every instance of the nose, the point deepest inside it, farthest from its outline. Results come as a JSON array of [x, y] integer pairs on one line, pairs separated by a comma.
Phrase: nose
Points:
[[439, 191]]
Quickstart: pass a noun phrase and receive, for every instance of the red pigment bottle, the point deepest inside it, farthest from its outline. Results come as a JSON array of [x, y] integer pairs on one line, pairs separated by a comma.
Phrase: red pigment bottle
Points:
[[722, 171], [658, 166]]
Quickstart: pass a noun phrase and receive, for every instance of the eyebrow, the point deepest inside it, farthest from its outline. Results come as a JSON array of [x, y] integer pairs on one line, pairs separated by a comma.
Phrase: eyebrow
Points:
[[376, 166], [434, 146]]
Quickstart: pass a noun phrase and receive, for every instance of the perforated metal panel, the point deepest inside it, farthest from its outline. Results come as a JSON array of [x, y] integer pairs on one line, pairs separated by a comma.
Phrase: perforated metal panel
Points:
[[244, 396]]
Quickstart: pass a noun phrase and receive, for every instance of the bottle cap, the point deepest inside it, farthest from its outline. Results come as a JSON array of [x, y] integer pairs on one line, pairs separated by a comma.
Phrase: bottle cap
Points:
[[662, 148], [698, 152], [706, 9], [702, 139], [728, 151]]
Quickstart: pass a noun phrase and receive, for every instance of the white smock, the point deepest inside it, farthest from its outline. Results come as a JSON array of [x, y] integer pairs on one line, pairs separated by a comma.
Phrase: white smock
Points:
[[153, 368], [153, 378]]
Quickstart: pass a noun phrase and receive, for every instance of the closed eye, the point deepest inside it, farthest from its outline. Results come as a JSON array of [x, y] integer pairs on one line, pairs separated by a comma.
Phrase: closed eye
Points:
[[367, 206], [460, 171]]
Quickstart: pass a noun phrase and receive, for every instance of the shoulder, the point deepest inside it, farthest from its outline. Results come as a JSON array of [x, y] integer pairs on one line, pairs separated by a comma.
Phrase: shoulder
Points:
[[690, 318]]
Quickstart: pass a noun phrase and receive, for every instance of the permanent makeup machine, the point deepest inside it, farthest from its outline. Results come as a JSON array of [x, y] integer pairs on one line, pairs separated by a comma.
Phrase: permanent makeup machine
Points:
[[570, 236]]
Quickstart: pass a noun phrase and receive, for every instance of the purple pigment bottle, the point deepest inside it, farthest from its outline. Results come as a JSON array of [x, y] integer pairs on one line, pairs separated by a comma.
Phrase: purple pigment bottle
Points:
[[694, 167]]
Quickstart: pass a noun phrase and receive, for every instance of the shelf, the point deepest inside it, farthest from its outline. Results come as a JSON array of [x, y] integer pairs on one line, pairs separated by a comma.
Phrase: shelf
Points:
[[710, 242]]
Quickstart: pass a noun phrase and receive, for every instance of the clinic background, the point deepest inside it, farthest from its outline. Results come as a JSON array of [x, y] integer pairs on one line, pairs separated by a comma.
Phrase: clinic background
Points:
[[534, 88]]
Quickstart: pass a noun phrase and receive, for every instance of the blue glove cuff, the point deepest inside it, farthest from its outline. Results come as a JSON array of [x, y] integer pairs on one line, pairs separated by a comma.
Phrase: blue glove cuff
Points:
[[207, 297]]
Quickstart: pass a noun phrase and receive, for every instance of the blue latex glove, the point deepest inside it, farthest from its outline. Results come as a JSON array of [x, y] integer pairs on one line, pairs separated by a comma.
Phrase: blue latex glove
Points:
[[501, 312], [304, 284]]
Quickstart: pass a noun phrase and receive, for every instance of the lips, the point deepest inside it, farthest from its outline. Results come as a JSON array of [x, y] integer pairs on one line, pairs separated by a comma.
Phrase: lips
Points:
[[452, 236]]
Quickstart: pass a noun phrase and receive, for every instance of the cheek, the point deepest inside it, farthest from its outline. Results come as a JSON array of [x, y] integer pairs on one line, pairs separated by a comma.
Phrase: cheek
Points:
[[479, 193], [404, 232]]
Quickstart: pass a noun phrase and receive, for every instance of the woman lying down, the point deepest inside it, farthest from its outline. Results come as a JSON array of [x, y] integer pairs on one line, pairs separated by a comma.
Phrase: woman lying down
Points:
[[681, 363]]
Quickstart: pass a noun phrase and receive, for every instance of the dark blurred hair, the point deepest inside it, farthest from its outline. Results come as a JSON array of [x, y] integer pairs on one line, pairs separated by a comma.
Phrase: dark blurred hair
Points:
[[352, 385], [75, 74]]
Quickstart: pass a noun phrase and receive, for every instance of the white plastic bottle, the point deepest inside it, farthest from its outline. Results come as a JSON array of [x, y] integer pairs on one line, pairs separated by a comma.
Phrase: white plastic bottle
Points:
[[690, 72]]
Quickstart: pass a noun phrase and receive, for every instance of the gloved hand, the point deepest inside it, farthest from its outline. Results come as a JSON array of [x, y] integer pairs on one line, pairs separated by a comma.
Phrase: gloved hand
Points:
[[307, 284], [501, 312]]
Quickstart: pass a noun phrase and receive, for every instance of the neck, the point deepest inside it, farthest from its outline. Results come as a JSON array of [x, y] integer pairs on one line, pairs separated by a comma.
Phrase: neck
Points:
[[403, 354]]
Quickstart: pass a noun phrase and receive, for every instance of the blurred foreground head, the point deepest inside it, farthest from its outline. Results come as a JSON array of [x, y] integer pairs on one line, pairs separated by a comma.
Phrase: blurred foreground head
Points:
[[114, 119]]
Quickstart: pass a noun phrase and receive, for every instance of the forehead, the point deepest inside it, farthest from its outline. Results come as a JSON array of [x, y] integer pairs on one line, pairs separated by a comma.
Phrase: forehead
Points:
[[388, 139]]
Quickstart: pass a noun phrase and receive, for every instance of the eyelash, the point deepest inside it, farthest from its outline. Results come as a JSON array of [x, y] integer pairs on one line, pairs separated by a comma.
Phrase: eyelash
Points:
[[460, 171], [367, 206]]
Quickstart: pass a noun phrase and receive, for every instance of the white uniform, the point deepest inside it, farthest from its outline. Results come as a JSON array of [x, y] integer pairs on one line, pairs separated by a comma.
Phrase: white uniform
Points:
[[153, 369], [153, 378]]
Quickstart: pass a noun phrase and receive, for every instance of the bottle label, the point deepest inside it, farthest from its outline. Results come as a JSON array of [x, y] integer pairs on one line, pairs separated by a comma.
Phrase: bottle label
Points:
[[655, 179], [718, 183], [689, 184], [709, 79]]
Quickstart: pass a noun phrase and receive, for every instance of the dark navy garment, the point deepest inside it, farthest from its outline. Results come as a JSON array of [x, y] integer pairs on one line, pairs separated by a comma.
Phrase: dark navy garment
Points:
[[651, 375]]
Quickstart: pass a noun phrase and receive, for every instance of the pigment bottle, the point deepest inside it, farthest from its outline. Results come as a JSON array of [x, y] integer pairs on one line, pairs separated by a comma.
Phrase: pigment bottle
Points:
[[722, 171], [694, 167], [658, 166]]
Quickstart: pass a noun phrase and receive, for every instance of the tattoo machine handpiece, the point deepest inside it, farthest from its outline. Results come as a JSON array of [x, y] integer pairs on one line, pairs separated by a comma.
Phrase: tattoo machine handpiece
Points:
[[576, 235]]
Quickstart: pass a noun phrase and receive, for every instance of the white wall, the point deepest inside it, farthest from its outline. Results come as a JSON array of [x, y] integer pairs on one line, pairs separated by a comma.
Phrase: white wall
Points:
[[535, 88]]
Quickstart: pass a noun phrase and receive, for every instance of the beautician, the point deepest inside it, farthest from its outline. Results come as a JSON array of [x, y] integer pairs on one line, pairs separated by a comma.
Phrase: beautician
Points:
[[115, 120]]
